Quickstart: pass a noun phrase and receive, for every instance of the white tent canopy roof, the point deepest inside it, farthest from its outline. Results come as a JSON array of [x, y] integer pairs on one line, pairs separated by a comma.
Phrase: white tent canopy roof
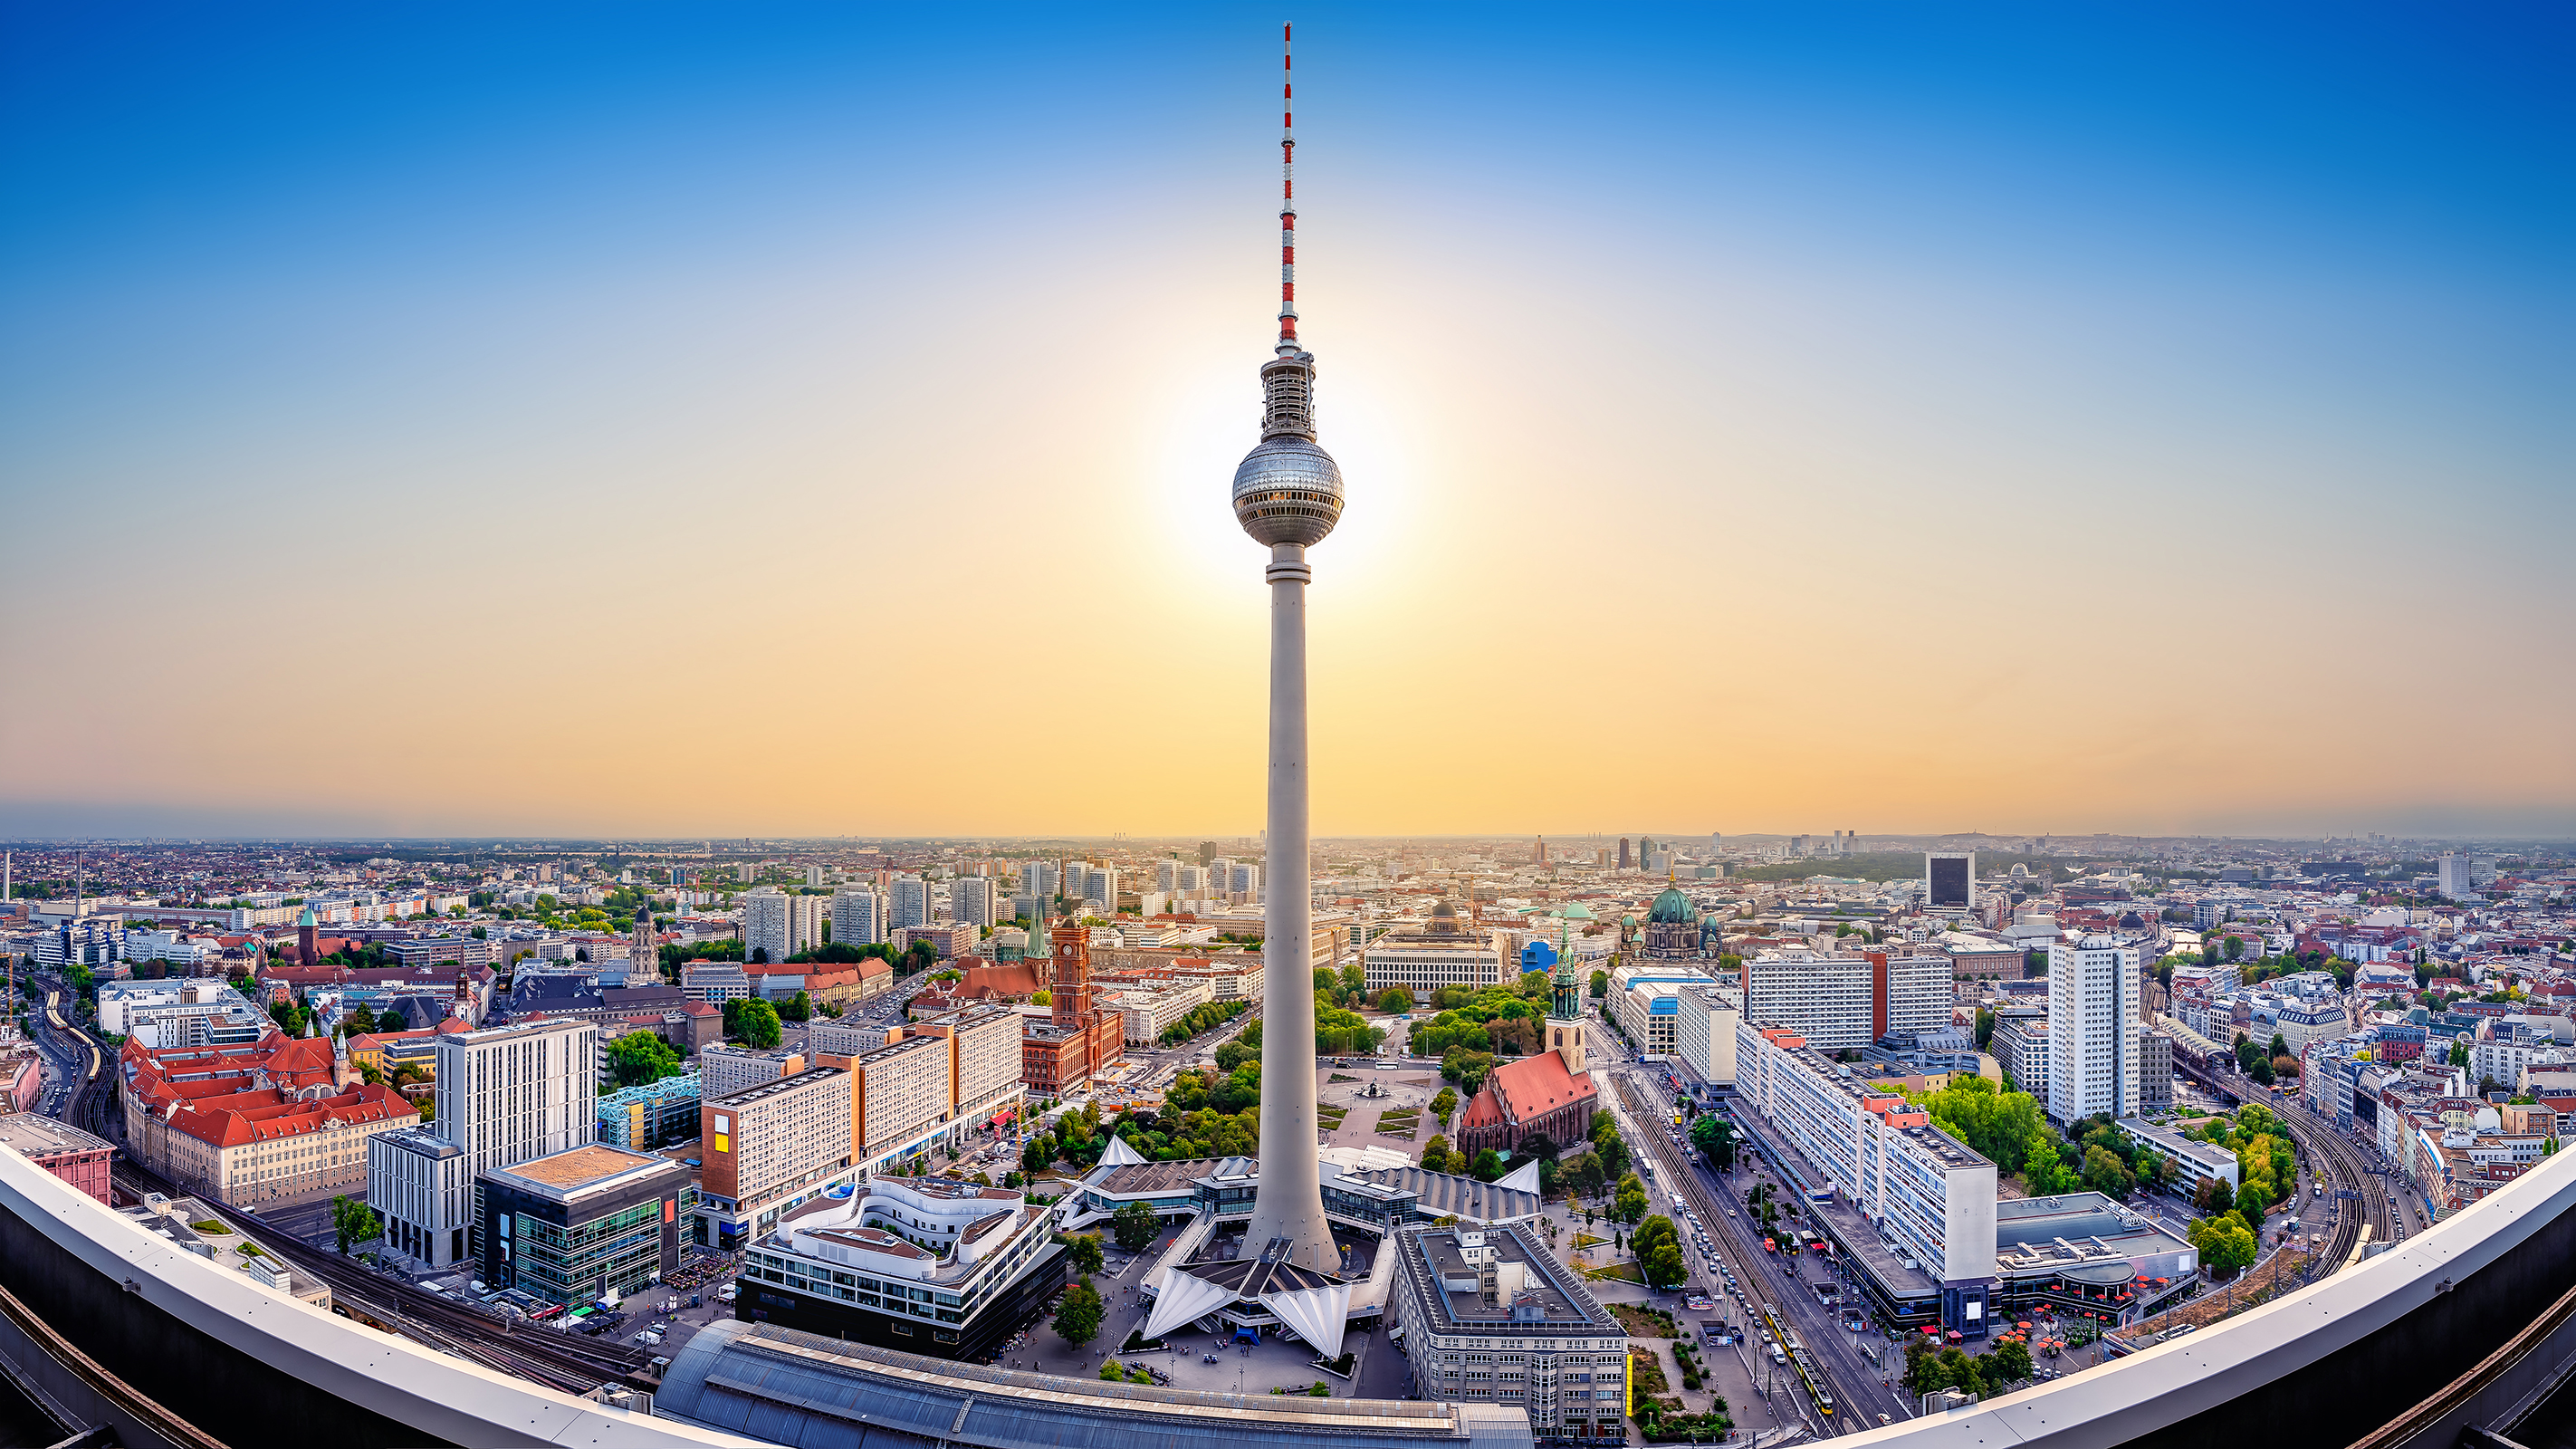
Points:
[[1318, 1314], [1182, 1299]]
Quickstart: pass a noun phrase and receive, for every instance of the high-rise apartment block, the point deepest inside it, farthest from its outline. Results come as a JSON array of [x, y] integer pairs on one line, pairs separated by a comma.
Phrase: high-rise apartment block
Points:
[[858, 916], [768, 1148], [1841, 1003], [765, 929], [970, 900], [2093, 1028], [1930, 1196], [805, 918], [724, 1069], [909, 903], [2453, 876], [1243, 884], [1041, 878]]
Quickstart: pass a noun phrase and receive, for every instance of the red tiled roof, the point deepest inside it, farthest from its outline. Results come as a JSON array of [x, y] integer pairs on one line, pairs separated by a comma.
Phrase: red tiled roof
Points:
[[1537, 1085]]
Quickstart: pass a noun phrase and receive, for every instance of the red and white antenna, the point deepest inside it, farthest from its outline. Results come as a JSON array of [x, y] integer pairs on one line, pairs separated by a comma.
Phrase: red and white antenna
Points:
[[1287, 197]]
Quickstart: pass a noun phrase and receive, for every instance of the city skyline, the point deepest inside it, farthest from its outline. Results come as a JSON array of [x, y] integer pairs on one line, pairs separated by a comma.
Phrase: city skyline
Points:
[[2095, 423]]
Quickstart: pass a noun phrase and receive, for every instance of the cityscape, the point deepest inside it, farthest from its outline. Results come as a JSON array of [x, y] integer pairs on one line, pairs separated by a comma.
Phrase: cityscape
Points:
[[396, 1055]]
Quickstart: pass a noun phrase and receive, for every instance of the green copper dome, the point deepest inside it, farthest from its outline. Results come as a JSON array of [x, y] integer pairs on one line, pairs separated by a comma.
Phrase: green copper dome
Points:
[[1672, 908]]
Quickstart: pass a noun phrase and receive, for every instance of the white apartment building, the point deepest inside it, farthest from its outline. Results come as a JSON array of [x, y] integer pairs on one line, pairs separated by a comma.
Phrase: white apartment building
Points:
[[908, 903], [805, 918], [2454, 876], [1931, 1197], [724, 1069], [765, 928], [1704, 1022], [858, 916], [1151, 1010], [2093, 1028], [768, 1148], [970, 900], [1839, 1003]]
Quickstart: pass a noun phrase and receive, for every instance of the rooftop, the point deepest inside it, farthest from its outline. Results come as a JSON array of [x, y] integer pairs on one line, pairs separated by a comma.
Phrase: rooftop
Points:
[[1532, 1291], [567, 1174], [43, 1136], [766, 1090]]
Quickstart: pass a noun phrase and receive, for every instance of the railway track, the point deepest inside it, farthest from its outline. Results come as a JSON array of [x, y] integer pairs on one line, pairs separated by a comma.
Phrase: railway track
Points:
[[1684, 1181], [546, 1356], [2348, 1168]]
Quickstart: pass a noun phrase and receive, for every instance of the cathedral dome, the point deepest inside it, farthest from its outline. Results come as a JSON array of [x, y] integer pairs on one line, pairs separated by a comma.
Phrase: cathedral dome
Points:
[[1672, 908]]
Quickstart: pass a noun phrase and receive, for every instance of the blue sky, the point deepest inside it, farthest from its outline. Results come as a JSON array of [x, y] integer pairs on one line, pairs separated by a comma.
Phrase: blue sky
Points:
[[2185, 354]]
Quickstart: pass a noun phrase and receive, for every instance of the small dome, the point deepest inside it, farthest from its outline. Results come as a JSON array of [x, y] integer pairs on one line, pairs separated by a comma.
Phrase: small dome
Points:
[[1444, 919], [1579, 912], [1672, 908]]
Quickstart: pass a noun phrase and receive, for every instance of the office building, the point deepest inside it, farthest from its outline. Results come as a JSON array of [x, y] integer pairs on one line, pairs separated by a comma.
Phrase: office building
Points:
[[908, 903], [769, 1148], [765, 929], [2155, 1071], [1167, 877], [1950, 879], [1444, 951], [655, 1114], [1243, 884], [1489, 1316], [927, 1265], [590, 1224], [1043, 878], [504, 1095], [1100, 890], [714, 982], [858, 916], [2093, 1028]]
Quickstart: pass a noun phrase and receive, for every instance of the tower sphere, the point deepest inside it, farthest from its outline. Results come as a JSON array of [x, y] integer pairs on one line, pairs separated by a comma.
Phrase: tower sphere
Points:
[[1288, 490]]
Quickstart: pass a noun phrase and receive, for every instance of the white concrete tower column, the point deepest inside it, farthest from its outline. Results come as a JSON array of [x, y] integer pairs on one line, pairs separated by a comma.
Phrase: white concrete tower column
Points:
[[1290, 1202]]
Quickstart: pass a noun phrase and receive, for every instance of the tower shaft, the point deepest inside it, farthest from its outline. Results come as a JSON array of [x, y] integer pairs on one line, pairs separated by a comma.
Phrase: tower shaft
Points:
[[1290, 1201]]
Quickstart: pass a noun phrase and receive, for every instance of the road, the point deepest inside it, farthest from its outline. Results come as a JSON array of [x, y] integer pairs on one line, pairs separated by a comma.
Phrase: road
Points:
[[1851, 1374]]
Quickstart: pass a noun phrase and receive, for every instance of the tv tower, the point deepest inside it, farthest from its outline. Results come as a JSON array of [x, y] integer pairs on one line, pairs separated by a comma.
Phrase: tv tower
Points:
[[1288, 494]]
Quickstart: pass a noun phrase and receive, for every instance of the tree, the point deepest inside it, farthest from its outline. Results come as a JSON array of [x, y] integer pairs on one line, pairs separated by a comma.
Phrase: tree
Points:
[[2225, 1242], [1077, 1315], [1488, 1166], [1717, 1144], [2459, 1054], [1435, 1154], [2010, 1361], [362, 1020], [1394, 999], [1084, 1250], [799, 1007], [1630, 1202], [1985, 1028], [353, 1222], [760, 1025], [1444, 1104], [1600, 984], [917, 957], [1039, 1154], [1134, 1225], [2105, 1173], [1659, 1253], [642, 1057]]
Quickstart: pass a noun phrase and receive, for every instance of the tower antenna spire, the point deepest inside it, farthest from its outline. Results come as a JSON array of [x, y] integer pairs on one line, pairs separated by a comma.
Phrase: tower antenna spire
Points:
[[1287, 194]]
